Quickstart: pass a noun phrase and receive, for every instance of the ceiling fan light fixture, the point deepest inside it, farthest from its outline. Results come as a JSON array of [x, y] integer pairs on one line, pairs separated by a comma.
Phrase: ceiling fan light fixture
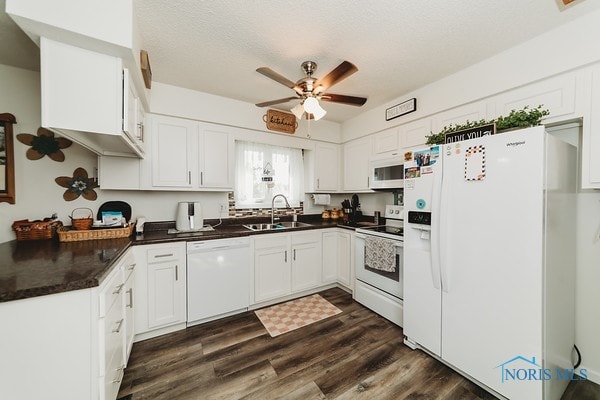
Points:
[[298, 110], [319, 113], [311, 105]]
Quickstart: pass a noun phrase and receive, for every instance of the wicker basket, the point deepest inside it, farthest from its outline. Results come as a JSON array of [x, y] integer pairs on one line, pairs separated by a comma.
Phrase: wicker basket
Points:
[[35, 230], [82, 224], [67, 235]]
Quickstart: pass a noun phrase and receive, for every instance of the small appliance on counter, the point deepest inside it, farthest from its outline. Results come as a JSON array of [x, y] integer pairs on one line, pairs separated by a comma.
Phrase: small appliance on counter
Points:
[[189, 217]]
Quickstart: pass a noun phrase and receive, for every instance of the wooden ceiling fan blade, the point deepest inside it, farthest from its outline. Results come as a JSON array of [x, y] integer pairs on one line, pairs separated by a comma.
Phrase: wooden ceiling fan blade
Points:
[[278, 101], [343, 99], [341, 72], [269, 73]]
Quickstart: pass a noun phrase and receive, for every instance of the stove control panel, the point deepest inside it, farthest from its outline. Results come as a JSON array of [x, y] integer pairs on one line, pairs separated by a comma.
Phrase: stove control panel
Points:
[[394, 212]]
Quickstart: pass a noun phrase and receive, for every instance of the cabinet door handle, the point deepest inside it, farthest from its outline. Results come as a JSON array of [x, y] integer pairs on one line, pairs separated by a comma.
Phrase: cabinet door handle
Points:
[[132, 267], [368, 181], [163, 255], [141, 132], [285, 257], [119, 325], [201, 178], [189, 177], [318, 183], [294, 255], [118, 288], [176, 272], [130, 291]]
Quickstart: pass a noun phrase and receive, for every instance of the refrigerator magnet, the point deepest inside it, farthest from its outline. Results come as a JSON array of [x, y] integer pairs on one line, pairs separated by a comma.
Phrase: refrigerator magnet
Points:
[[475, 163]]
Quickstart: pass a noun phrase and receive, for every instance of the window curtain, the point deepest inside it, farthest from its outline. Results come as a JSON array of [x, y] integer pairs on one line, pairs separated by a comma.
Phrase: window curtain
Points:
[[256, 164]]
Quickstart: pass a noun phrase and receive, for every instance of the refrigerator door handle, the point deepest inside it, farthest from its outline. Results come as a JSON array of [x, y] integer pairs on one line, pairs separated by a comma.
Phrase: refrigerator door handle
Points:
[[435, 232], [442, 232]]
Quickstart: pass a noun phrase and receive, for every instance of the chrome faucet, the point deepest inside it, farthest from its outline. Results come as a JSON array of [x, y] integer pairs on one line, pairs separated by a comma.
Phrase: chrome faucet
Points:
[[287, 204]]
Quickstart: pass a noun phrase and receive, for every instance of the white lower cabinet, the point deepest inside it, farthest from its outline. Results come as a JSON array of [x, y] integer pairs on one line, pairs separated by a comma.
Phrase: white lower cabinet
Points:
[[306, 260], [344, 270], [337, 257], [67, 345], [160, 289], [286, 263], [272, 270]]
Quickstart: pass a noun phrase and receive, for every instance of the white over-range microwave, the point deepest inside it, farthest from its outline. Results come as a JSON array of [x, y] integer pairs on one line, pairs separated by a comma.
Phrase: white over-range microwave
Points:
[[387, 173]]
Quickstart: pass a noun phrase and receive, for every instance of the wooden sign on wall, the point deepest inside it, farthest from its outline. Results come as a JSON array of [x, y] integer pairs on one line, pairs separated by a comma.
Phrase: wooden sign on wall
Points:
[[280, 121]]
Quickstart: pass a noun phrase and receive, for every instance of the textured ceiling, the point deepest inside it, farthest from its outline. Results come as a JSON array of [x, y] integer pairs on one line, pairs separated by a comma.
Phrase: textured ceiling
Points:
[[215, 46]]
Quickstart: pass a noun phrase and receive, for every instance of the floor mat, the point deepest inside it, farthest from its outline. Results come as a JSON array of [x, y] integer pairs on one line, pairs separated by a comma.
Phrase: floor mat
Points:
[[286, 317]]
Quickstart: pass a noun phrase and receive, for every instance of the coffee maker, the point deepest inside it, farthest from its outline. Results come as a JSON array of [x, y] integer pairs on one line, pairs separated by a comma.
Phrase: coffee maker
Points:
[[189, 217]]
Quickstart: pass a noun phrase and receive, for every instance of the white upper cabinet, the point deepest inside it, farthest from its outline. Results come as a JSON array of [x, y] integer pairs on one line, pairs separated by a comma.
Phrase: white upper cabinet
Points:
[[356, 164], [82, 98], [323, 168], [215, 156], [590, 151], [190, 155], [413, 135], [173, 149], [386, 144]]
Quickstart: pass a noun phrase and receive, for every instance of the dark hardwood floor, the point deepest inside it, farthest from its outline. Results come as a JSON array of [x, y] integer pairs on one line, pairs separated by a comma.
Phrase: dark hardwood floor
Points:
[[354, 355]]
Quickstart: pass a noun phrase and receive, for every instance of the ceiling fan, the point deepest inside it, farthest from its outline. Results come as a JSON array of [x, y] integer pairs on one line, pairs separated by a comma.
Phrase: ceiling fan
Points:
[[310, 90]]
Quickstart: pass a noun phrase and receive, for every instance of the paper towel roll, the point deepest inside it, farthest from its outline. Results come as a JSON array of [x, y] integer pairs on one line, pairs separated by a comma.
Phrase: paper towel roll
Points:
[[322, 199]]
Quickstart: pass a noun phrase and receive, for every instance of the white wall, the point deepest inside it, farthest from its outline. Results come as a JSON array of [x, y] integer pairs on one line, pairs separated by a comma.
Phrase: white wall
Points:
[[186, 103], [567, 47]]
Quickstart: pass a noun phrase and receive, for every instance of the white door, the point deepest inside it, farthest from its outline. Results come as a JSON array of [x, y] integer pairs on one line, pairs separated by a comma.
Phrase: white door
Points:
[[356, 164], [306, 266], [491, 252], [272, 274], [173, 149], [330, 257], [166, 293], [326, 167], [344, 258], [214, 159], [422, 294]]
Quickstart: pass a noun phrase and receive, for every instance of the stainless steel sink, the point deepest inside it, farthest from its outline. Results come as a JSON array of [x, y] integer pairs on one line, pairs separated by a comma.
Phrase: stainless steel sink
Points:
[[263, 227], [293, 224], [271, 227]]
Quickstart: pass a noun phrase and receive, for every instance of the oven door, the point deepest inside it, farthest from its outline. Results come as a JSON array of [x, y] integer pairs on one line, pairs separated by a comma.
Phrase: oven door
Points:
[[391, 283]]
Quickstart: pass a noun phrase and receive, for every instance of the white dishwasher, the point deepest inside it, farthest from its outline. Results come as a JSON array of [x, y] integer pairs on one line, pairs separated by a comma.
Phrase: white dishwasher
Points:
[[218, 278]]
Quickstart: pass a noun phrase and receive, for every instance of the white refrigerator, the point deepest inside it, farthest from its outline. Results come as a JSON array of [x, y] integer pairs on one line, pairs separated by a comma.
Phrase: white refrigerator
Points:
[[489, 260]]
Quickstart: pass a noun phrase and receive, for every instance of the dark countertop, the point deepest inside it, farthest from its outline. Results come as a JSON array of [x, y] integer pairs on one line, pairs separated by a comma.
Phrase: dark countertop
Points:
[[43, 267]]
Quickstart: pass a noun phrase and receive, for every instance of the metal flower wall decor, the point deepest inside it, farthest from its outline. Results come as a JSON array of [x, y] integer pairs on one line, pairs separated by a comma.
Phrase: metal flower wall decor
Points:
[[44, 144], [78, 185]]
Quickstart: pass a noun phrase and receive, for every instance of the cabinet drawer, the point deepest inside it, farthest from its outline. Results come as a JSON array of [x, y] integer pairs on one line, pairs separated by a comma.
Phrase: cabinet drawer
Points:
[[162, 255], [111, 291], [128, 266], [112, 331], [113, 375]]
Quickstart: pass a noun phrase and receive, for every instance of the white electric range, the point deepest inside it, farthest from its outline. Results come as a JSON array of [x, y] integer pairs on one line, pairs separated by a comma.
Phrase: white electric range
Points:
[[381, 290]]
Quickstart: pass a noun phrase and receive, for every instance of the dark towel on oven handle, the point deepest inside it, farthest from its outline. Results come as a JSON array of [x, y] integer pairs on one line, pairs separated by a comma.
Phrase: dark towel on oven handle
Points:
[[380, 253]]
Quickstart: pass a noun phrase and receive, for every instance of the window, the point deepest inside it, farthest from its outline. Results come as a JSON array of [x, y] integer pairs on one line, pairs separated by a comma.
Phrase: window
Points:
[[263, 171]]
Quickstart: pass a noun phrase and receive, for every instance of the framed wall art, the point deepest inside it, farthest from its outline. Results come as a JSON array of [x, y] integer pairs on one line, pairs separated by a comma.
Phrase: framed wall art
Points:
[[7, 160]]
